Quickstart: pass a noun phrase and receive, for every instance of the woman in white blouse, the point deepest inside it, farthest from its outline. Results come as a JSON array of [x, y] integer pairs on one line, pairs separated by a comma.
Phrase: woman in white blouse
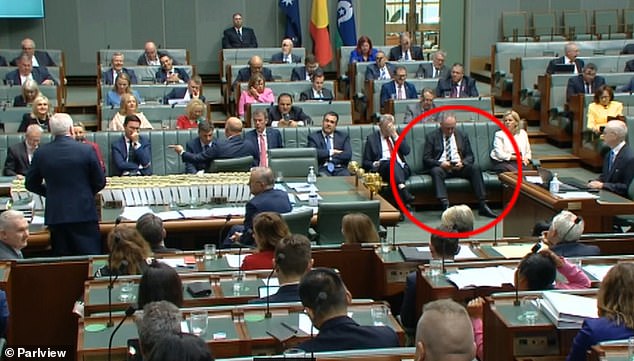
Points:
[[503, 153], [129, 106]]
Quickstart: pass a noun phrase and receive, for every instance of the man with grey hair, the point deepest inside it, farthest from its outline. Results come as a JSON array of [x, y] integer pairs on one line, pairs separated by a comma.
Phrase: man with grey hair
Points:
[[109, 76], [39, 58], [158, 318], [426, 103], [571, 57], [405, 51], [565, 230], [14, 233], [444, 332], [618, 164], [435, 69], [19, 155], [69, 175]]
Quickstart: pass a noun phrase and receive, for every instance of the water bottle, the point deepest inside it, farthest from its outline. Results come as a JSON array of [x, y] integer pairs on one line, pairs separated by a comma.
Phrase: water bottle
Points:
[[311, 178], [554, 184], [313, 200]]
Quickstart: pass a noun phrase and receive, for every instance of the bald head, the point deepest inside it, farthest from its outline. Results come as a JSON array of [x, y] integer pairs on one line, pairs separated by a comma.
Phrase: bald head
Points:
[[255, 63], [233, 126], [444, 332]]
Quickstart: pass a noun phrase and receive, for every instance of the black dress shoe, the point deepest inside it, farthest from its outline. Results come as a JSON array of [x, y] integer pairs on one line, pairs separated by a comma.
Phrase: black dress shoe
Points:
[[406, 196], [486, 211]]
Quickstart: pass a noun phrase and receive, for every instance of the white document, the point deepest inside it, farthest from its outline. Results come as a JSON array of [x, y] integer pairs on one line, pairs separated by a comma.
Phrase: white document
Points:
[[169, 215], [597, 270], [37, 220], [485, 276], [234, 261], [567, 306], [577, 195], [197, 213], [222, 212], [174, 262], [134, 213], [302, 187], [291, 198], [535, 179], [304, 197], [465, 252]]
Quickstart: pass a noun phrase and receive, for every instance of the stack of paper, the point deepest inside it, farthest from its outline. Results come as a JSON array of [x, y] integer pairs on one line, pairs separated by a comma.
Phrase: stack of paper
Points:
[[566, 310], [484, 276]]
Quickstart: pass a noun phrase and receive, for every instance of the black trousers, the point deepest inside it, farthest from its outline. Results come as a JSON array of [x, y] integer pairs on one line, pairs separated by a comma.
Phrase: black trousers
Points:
[[71, 239], [470, 172], [400, 173]]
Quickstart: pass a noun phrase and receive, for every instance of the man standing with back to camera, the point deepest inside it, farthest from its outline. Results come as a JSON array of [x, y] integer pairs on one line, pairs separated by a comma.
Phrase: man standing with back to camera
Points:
[[69, 175]]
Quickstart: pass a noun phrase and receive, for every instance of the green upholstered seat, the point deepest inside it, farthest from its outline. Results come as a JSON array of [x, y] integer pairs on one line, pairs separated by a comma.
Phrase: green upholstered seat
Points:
[[292, 162], [298, 220], [329, 217], [241, 164]]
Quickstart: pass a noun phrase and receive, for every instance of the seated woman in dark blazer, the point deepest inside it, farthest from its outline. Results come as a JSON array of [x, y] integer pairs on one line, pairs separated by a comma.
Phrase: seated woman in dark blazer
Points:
[[40, 114], [30, 91]]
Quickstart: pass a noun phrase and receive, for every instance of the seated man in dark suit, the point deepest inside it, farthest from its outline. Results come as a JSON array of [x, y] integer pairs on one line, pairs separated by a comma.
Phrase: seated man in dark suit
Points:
[[437, 68], [168, 74], [39, 58], [151, 228], [291, 262], [150, 56], [572, 52], [14, 233], [3, 61], [457, 85], [184, 95], [405, 51], [238, 36], [399, 88], [109, 77], [231, 147], [265, 199], [584, 83], [381, 69], [199, 145], [448, 154], [286, 55], [20, 154], [26, 71], [262, 137], [378, 151], [305, 72], [618, 165], [256, 65], [629, 66], [317, 90], [333, 147], [426, 103], [285, 114], [565, 230], [132, 152], [326, 298]]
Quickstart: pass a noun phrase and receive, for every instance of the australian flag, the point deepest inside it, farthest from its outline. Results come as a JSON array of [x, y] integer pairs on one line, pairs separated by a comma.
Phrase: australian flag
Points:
[[293, 29], [345, 23]]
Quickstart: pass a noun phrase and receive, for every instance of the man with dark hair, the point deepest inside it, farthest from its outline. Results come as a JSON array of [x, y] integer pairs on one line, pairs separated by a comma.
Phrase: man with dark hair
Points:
[[262, 137], [399, 88], [381, 69], [168, 74], [158, 319], [184, 95], [285, 114], [317, 91], [26, 71], [199, 145], [326, 300], [333, 147], [457, 85], [151, 228], [585, 83], [132, 152], [292, 260], [305, 72], [238, 36]]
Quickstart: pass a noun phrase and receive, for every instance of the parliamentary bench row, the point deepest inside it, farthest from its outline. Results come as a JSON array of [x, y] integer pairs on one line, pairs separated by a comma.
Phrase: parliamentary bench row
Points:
[[131, 56]]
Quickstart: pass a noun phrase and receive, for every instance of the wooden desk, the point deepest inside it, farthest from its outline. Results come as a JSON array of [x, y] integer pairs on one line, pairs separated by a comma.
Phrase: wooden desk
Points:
[[536, 204], [244, 329]]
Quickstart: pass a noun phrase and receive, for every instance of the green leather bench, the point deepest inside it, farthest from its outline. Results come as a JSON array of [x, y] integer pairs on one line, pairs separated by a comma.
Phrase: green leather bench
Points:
[[130, 56], [146, 74]]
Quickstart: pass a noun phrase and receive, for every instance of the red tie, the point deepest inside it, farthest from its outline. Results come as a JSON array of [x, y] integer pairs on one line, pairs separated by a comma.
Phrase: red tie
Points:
[[263, 159], [390, 147]]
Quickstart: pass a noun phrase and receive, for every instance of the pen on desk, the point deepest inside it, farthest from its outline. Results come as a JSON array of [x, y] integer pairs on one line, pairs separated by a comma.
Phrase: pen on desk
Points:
[[289, 327], [181, 213]]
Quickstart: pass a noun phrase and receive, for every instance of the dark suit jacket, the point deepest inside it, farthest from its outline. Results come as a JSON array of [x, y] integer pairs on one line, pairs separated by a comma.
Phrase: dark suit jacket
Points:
[[279, 57], [39, 75], [7, 252], [142, 60], [343, 333], [27, 120], [299, 73], [3, 61], [161, 75], [551, 65], [43, 59], [308, 95], [107, 78], [194, 146], [233, 147], [574, 249], [372, 72], [179, 93], [244, 75], [231, 40], [576, 85], [629, 66], [17, 161], [286, 293], [273, 139], [119, 155], [388, 90], [296, 113], [426, 71], [373, 151], [467, 87], [73, 176], [415, 52], [435, 146], [341, 141], [618, 179], [629, 87], [271, 200], [19, 101]]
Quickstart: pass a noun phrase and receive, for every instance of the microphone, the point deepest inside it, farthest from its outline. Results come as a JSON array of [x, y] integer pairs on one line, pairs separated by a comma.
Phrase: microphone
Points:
[[578, 220], [129, 312], [111, 281], [278, 259], [224, 225]]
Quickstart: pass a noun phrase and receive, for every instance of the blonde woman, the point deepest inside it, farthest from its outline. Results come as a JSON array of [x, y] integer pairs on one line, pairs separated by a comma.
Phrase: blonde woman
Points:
[[40, 115], [358, 228], [121, 86], [194, 114], [503, 153], [30, 91], [129, 106]]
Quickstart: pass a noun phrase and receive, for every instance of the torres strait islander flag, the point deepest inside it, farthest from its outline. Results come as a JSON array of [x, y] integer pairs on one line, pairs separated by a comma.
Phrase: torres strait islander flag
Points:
[[319, 32]]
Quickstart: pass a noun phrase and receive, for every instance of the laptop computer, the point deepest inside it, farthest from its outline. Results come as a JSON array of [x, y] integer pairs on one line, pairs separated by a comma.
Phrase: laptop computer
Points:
[[564, 68]]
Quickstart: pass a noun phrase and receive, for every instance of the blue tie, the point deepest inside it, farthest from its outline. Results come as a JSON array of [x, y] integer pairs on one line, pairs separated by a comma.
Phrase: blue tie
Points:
[[330, 165], [611, 160]]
